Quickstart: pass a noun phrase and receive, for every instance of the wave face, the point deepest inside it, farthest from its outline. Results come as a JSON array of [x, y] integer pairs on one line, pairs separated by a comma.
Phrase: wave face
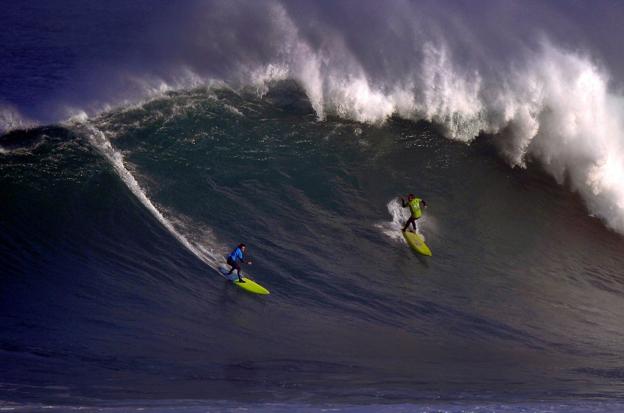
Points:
[[108, 224]]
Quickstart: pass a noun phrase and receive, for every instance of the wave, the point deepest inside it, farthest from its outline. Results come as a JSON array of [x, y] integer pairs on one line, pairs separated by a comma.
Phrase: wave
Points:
[[101, 284], [544, 98], [549, 104]]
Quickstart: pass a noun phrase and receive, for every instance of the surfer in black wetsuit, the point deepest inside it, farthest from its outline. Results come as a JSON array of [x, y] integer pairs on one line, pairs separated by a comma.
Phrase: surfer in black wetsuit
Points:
[[414, 205]]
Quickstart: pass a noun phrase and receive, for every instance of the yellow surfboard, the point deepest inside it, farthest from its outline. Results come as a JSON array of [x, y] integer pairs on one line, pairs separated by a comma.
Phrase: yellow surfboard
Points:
[[417, 243], [249, 285]]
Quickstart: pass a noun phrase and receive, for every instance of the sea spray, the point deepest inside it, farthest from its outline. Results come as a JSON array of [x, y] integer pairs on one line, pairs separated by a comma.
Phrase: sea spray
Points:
[[399, 216]]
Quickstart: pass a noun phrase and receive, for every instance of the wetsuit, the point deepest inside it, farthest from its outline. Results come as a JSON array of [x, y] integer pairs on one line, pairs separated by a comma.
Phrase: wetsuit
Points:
[[234, 260], [414, 206]]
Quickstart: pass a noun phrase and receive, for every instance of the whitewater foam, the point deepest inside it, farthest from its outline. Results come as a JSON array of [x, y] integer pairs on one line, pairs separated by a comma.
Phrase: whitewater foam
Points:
[[399, 215], [11, 119], [568, 120]]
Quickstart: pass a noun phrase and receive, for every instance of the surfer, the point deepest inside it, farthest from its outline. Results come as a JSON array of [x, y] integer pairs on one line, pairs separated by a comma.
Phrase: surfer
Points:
[[235, 258], [414, 205]]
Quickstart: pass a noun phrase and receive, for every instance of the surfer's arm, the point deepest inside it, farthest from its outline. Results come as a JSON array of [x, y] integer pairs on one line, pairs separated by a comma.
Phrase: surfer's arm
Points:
[[403, 203], [245, 261]]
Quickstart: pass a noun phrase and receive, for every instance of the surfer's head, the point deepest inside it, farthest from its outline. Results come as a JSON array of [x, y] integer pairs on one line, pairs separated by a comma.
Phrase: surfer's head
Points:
[[410, 197], [242, 246]]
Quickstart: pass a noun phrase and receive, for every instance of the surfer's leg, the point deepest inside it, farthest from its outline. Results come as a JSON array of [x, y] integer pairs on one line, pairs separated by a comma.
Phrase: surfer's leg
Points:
[[236, 266], [231, 264], [414, 224], [409, 221]]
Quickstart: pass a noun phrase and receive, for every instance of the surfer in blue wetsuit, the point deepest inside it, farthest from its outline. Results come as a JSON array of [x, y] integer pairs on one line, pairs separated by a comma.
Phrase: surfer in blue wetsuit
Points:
[[235, 258], [415, 207]]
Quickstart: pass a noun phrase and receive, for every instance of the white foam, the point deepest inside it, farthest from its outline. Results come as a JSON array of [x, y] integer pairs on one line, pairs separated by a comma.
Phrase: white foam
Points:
[[261, 77], [233, 110], [399, 215], [561, 113], [12, 119]]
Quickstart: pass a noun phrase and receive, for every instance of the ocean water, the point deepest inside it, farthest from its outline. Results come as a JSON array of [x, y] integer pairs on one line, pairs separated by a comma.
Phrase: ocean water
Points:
[[119, 203]]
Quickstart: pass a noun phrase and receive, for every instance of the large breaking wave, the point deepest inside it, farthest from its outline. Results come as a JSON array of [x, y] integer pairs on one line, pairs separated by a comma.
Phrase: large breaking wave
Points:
[[545, 96]]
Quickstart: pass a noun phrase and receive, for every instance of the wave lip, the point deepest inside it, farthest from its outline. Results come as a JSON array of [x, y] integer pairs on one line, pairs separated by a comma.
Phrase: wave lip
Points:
[[570, 122], [12, 119]]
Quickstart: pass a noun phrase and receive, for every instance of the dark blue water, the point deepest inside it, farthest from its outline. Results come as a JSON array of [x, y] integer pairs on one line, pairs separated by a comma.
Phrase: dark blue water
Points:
[[112, 227], [59, 54]]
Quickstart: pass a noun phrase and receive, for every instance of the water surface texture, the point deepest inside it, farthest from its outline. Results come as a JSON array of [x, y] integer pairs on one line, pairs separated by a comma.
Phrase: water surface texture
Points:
[[142, 141]]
